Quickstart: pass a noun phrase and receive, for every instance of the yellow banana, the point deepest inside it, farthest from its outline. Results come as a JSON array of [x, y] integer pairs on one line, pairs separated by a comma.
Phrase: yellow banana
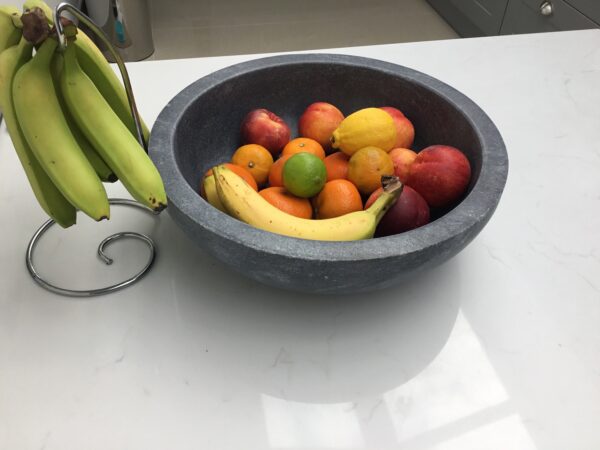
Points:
[[210, 193], [47, 133], [102, 170], [10, 34], [95, 65], [247, 205], [49, 197], [109, 136]]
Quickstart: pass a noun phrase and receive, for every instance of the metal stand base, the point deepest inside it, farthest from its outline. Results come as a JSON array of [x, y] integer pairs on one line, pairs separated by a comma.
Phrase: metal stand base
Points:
[[107, 260]]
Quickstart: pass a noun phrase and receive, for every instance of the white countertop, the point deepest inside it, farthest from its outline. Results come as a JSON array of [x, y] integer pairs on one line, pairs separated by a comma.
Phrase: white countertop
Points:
[[497, 349]]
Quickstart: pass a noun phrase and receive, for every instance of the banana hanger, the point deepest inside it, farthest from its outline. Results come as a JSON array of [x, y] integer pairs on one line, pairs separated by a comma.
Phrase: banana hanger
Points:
[[62, 7]]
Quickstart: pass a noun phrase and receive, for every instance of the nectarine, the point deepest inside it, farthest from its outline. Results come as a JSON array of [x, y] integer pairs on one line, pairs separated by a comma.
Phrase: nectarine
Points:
[[405, 131], [410, 211], [402, 159], [262, 127], [318, 122], [441, 174]]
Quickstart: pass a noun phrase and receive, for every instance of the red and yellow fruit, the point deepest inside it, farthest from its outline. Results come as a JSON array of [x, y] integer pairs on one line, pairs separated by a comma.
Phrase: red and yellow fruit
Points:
[[441, 174]]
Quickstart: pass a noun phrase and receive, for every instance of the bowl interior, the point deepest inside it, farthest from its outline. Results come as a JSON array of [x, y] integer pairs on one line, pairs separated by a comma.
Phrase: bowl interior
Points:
[[209, 129]]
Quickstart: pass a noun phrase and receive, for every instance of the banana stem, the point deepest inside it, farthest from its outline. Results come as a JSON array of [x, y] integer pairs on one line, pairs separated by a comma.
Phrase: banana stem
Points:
[[391, 192], [35, 26]]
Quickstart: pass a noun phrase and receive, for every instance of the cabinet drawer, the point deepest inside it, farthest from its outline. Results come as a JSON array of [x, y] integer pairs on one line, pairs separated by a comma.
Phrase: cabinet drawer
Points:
[[472, 17], [525, 16]]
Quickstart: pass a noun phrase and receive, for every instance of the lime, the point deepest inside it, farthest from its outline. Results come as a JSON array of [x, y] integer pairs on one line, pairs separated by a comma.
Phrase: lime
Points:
[[304, 175]]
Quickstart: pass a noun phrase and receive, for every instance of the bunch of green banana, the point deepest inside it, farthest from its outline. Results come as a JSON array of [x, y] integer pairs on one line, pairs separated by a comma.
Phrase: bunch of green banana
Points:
[[67, 136], [245, 204], [95, 65]]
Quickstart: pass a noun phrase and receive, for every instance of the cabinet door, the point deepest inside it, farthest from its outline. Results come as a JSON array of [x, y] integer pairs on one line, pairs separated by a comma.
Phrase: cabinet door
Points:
[[589, 8], [525, 16], [472, 17]]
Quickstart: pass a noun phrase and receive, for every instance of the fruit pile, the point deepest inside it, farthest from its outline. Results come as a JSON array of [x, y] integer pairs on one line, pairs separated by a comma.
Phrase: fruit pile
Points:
[[344, 178], [69, 119]]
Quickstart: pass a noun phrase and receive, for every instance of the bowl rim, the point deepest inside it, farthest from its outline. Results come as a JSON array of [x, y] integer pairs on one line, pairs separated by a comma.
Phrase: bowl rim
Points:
[[476, 207]]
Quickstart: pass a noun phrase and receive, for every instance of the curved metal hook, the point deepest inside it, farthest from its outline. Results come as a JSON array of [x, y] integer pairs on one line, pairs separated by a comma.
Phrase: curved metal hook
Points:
[[116, 55], [106, 259]]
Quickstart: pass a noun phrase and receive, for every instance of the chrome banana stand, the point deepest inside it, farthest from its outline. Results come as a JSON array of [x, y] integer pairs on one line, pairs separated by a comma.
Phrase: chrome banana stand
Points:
[[124, 202]]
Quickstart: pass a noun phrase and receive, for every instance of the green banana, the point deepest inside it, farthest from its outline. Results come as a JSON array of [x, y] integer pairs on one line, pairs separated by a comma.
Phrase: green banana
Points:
[[30, 4], [109, 136], [49, 197], [95, 65], [47, 133], [102, 170], [247, 205], [10, 34]]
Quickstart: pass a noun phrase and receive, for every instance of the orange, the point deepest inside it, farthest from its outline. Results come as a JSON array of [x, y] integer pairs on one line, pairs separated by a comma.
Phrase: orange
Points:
[[367, 166], [276, 173], [283, 200], [257, 159], [337, 166], [303, 145], [241, 171], [338, 197]]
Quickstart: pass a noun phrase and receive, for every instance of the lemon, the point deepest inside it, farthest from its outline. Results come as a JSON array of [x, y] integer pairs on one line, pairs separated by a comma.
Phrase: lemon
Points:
[[304, 174], [366, 127]]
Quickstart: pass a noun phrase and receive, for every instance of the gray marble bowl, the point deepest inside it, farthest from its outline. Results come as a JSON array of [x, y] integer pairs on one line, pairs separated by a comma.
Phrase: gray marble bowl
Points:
[[200, 128]]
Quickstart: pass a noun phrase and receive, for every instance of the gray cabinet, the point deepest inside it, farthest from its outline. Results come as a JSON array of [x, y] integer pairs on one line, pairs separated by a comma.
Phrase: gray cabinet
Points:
[[529, 16], [472, 17], [491, 17], [589, 8]]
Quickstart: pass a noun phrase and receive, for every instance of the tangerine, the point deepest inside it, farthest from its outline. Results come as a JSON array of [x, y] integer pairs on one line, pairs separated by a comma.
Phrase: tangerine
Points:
[[287, 202], [303, 145], [337, 166], [276, 173], [367, 166], [256, 158], [338, 197]]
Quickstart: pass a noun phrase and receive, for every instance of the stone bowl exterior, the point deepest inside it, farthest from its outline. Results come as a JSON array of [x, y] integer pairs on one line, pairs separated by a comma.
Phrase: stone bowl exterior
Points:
[[200, 127]]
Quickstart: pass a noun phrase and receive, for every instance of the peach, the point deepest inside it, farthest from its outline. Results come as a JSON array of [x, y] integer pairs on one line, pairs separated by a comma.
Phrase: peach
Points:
[[262, 127], [405, 132], [318, 122], [410, 211], [441, 174], [402, 159]]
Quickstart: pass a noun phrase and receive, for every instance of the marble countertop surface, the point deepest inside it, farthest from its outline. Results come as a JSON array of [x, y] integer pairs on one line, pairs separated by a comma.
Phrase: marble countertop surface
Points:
[[499, 348]]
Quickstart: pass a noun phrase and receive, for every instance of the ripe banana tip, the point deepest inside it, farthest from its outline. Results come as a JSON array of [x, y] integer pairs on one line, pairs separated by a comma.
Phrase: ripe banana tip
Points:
[[158, 209]]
